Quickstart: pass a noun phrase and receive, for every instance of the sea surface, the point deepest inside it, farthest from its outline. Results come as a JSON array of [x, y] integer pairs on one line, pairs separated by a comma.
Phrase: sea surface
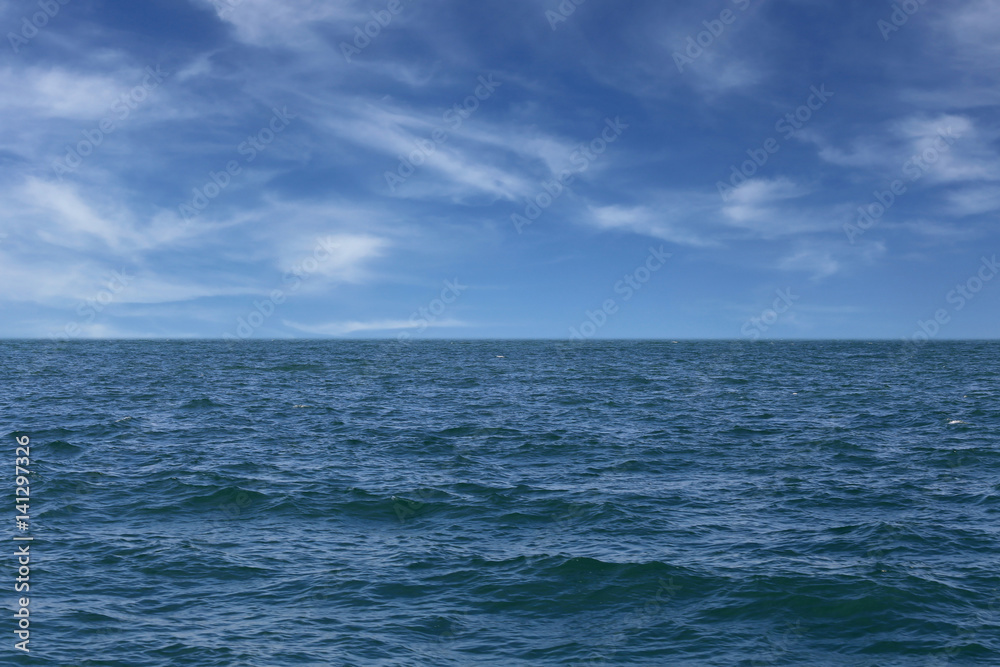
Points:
[[506, 503]]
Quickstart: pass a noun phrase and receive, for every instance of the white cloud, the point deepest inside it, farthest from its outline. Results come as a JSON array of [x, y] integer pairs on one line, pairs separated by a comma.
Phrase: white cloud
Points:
[[156, 289], [758, 208], [958, 143], [475, 159], [59, 215], [661, 222], [758, 205], [946, 148], [283, 22], [336, 257], [974, 29], [974, 201], [349, 327], [822, 258], [760, 191], [862, 153], [67, 279], [820, 263], [61, 242], [934, 230], [62, 93]]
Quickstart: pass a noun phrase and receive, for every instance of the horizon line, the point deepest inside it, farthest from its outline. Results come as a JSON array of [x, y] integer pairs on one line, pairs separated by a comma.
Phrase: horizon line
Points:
[[484, 339]]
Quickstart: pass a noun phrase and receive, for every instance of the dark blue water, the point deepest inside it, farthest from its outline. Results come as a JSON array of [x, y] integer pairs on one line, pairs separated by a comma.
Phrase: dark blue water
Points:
[[607, 503]]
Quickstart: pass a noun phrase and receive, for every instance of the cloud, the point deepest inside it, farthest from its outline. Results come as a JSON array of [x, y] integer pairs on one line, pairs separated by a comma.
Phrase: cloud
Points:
[[62, 217], [283, 23], [349, 327], [478, 157], [758, 208], [967, 158], [862, 153], [760, 205], [334, 257], [59, 92], [67, 280], [973, 201], [820, 263], [974, 31], [668, 223], [822, 258], [61, 242], [935, 231], [949, 148]]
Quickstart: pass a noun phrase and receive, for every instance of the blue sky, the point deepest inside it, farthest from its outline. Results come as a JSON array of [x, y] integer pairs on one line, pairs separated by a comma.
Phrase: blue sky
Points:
[[514, 168]]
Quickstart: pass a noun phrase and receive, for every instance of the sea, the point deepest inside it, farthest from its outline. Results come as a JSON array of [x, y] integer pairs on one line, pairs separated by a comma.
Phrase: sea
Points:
[[439, 503]]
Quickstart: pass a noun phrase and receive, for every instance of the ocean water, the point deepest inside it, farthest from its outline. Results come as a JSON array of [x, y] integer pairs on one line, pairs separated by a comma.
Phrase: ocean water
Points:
[[507, 503]]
